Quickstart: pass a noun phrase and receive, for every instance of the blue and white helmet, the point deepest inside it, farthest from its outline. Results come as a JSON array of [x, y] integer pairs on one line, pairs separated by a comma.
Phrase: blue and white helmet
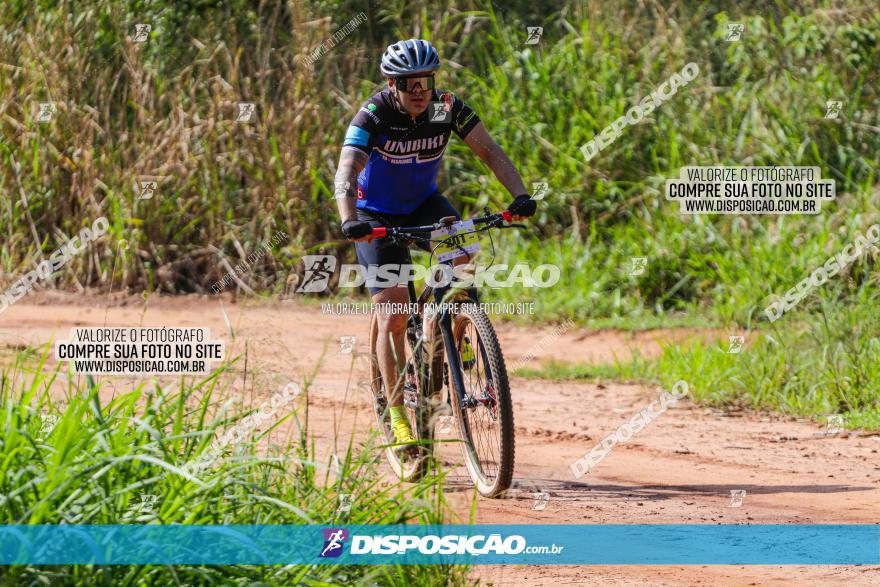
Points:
[[408, 57]]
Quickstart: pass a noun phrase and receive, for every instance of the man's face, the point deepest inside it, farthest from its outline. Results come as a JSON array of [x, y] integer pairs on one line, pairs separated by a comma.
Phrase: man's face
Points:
[[415, 100]]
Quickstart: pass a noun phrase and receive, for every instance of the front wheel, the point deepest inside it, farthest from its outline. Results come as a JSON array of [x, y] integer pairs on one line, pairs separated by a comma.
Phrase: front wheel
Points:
[[481, 401]]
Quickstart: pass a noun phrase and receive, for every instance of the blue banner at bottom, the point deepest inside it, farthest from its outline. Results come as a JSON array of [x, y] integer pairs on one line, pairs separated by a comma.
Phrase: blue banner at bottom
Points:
[[642, 544]]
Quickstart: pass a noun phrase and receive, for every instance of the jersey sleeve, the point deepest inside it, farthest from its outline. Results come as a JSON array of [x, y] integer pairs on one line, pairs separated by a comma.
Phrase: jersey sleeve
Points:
[[364, 128], [464, 119]]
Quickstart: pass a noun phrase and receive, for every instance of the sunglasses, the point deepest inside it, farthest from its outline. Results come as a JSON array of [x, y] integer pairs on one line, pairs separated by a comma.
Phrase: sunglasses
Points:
[[408, 84]]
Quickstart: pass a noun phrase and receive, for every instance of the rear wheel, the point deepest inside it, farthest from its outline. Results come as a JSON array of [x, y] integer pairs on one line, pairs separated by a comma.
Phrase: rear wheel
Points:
[[481, 401], [411, 464]]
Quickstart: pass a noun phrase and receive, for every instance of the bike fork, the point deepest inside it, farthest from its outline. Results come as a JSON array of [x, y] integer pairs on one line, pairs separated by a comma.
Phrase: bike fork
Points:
[[453, 360]]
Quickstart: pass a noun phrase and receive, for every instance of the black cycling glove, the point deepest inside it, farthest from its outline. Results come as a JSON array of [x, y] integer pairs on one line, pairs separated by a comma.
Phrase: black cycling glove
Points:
[[353, 228], [523, 205]]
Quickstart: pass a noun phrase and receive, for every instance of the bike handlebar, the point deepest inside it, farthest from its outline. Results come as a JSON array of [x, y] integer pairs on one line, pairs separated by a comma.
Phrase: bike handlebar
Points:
[[382, 231]]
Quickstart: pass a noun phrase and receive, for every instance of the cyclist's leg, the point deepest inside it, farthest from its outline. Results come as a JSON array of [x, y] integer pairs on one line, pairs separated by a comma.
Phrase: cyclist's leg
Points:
[[391, 316], [390, 351]]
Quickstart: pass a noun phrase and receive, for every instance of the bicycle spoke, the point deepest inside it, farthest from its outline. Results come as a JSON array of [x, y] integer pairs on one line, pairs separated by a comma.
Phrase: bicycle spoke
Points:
[[480, 403]]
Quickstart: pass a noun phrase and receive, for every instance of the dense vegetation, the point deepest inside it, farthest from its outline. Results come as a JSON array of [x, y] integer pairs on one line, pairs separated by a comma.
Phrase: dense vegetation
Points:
[[77, 460], [166, 108]]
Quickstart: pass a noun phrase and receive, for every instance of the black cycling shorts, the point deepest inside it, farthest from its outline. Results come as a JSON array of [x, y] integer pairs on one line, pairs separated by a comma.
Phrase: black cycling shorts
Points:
[[381, 251]]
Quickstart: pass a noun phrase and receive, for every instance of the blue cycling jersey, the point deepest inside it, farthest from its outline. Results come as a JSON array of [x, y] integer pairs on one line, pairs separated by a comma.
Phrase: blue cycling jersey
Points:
[[405, 154]]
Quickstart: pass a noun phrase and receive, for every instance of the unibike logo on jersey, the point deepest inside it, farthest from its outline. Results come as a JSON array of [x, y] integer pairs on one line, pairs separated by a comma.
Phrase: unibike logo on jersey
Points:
[[425, 149], [432, 544], [414, 145]]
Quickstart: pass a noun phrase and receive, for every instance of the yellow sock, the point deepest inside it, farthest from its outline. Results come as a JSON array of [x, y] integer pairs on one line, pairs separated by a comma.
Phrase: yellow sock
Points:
[[398, 413]]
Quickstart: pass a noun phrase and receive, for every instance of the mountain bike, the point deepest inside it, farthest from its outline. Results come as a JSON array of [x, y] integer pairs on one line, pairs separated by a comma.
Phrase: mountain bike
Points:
[[472, 372]]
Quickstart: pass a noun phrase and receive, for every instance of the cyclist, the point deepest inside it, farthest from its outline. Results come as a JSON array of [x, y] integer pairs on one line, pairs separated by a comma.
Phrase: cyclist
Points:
[[387, 176]]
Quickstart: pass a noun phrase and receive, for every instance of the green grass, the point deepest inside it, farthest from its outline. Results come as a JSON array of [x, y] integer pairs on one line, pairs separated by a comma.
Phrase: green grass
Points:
[[809, 364], [560, 370], [76, 460]]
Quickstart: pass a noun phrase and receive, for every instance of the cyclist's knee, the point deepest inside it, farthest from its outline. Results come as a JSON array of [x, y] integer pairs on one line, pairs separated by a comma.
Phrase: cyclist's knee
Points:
[[392, 322], [392, 313]]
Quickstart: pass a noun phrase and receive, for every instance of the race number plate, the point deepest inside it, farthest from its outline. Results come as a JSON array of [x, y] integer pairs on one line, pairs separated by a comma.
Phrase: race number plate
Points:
[[457, 240]]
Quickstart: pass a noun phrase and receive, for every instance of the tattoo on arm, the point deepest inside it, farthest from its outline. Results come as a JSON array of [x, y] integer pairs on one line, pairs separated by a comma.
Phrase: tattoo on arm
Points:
[[351, 163]]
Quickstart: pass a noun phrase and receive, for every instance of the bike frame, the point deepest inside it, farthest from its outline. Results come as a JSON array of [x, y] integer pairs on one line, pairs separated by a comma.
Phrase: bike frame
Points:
[[444, 317]]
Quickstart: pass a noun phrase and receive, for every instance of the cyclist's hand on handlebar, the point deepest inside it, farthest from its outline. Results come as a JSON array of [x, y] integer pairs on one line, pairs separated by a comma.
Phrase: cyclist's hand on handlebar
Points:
[[522, 207], [357, 230]]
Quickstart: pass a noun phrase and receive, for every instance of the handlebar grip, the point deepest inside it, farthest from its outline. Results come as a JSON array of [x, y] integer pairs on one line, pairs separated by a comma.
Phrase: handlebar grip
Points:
[[506, 215], [379, 231]]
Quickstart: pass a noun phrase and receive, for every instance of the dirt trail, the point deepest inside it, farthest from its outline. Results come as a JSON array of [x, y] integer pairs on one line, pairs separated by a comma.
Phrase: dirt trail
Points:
[[680, 469]]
